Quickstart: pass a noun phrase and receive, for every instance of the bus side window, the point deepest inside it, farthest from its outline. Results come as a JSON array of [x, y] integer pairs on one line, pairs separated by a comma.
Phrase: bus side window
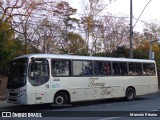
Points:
[[102, 68], [107, 68], [149, 69], [82, 68], [60, 67], [135, 69], [120, 68], [116, 68], [123, 67]]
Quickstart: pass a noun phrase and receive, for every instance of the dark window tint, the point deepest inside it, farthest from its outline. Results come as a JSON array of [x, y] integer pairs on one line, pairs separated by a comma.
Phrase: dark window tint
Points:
[[148, 69], [135, 69], [17, 73], [116, 68], [119, 68], [123, 68], [82, 68], [60, 67], [102, 68]]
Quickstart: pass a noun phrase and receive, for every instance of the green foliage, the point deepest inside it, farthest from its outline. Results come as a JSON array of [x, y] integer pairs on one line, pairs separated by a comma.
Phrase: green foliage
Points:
[[141, 54], [65, 11], [5, 37], [119, 52], [123, 52], [76, 44], [9, 47], [157, 58], [156, 50]]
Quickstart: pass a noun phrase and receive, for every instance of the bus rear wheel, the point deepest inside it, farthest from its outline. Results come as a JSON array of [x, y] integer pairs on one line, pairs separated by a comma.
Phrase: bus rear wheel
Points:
[[61, 99], [130, 94]]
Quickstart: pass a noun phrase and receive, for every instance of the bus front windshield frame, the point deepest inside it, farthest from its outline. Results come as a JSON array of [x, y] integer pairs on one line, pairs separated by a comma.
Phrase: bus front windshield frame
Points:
[[17, 73]]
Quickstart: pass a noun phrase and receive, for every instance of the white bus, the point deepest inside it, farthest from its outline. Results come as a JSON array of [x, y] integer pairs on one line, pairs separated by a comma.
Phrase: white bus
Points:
[[60, 79]]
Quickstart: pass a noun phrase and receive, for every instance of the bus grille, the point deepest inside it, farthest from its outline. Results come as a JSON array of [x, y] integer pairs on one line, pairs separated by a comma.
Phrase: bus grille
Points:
[[13, 94], [13, 100]]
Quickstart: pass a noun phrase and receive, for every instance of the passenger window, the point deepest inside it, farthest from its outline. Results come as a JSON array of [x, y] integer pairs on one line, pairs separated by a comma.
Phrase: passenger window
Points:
[[116, 68], [135, 69], [82, 68], [124, 70], [149, 69], [39, 72], [60, 67], [102, 68], [120, 68]]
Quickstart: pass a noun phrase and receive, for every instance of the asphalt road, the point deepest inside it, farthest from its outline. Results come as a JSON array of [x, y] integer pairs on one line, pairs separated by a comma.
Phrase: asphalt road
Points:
[[144, 107]]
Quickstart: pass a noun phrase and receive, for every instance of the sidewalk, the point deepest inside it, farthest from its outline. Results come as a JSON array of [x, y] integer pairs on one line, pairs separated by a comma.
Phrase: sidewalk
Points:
[[3, 103]]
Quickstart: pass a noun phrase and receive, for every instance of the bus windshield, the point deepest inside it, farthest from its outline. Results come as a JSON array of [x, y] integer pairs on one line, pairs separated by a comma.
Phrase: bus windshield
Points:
[[17, 73]]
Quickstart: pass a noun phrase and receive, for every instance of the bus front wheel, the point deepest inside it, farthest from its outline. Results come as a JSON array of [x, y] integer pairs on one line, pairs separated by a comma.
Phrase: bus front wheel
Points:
[[130, 94], [60, 99]]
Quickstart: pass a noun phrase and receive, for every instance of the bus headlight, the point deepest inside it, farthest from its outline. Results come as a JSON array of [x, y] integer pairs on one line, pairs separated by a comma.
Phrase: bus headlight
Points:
[[20, 93]]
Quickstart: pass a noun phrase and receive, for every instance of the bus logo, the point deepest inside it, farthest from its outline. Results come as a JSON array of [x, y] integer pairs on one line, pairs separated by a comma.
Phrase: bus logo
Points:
[[6, 114]]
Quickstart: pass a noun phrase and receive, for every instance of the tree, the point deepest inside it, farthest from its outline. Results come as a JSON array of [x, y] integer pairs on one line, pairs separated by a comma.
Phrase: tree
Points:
[[65, 11], [28, 20], [7, 9], [121, 51], [76, 44], [46, 36], [6, 17], [114, 33], [19, 14], [51, 32], [9, 47], [152, 32], [90, 22]]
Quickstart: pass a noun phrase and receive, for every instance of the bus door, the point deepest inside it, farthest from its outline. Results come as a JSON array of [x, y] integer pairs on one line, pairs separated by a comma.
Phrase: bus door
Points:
[[39, 79]]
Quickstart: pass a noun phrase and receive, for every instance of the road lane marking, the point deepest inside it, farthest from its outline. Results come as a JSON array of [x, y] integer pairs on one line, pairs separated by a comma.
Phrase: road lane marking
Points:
[[111, 118]]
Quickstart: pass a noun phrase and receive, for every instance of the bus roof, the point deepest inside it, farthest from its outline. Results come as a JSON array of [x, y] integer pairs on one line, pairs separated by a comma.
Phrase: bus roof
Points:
[[77, 57]]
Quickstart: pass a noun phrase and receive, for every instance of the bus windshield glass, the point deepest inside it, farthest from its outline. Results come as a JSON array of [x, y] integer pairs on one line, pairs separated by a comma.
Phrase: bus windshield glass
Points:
[[17, 73]]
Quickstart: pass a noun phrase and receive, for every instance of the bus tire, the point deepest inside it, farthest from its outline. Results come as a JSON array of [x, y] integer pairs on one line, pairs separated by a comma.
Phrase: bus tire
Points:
[[130, 94], [61, 99]]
